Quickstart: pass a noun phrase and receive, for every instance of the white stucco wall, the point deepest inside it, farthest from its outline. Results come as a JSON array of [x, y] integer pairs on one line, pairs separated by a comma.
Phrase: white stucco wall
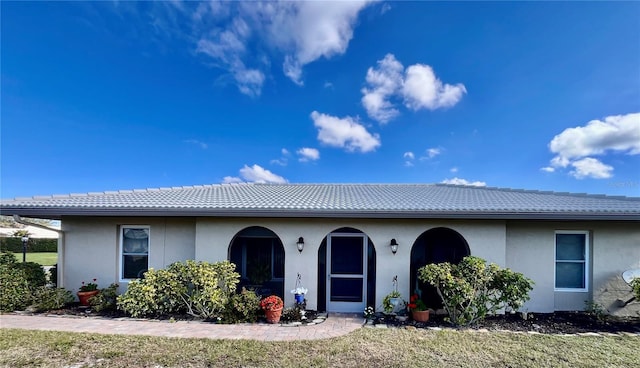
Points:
[[91, 247], [91, 251], [614, 248], [486, 239]]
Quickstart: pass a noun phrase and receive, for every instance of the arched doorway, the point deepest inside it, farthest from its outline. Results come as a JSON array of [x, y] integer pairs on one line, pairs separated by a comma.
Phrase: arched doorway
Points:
[[259, 257], [346, 271], [437, 245]]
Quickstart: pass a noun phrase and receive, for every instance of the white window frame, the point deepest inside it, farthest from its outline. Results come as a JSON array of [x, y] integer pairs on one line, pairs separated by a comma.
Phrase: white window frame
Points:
[[587, 251], [121, 250]]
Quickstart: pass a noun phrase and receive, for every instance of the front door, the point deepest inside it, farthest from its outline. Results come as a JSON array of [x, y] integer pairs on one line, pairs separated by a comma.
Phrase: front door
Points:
[[346, 272]]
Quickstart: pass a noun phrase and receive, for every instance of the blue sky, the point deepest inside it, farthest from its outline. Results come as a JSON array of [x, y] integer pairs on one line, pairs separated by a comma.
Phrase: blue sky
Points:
[[123, 95]]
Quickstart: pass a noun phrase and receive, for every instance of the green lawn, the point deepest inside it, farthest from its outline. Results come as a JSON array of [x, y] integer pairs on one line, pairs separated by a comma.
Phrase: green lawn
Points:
[[362, 348], [43, 258]]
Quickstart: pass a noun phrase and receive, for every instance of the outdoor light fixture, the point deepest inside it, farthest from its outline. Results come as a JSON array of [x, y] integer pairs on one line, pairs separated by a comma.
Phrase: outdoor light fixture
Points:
[[25, 240], [394, 246], [300, 244]]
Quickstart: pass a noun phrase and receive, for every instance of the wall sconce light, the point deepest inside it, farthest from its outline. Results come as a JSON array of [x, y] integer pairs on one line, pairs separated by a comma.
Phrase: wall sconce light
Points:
[[300, 244], [394, 246]]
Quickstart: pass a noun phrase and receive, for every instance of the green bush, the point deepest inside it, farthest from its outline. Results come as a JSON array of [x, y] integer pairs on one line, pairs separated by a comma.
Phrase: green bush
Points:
[[15, 294], [242, 307], [200, 289], [472, 289], [33, 272], [106, 299], [8, 258], [635, 285], [14, 244], [46, 298], [53, 275]]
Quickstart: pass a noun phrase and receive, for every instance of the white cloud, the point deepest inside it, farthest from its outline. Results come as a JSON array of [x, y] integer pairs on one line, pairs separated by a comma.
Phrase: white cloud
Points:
[[418, 87], [422, 90], [575, 146], [433, 152], [197, 143], [453, 170], [344, 132], [232, 179], [255, 174], [284, 160], [308, 154], [458, 181], [298, 32], [590, 168], [409, 155], [384, 81]]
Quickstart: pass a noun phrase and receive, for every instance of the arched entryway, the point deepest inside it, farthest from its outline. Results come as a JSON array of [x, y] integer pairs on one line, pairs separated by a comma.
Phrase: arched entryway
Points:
[[259, 257], [346, 271], [437, 245]]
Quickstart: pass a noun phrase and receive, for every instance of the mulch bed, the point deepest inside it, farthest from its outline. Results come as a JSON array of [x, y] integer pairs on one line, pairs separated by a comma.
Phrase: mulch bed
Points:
[[78, 311], [547, 323]]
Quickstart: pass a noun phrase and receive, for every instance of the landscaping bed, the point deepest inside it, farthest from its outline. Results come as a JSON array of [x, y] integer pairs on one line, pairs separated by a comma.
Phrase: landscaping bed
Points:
[[546, 323]]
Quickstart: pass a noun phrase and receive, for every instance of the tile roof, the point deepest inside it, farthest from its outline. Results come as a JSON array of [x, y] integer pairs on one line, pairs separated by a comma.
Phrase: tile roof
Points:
[[331, 200]]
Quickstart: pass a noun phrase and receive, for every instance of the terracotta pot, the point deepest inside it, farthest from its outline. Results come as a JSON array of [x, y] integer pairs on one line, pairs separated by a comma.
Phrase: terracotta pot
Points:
[[84, 296], [420, 316], [273, 315]]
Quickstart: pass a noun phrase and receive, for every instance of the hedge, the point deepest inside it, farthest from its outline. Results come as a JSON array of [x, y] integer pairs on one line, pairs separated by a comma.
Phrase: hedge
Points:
[[13, 244]]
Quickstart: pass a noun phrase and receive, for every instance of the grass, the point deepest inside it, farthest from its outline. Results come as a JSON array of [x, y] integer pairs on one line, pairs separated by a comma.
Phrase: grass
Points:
[[42, 258], [362, 348]]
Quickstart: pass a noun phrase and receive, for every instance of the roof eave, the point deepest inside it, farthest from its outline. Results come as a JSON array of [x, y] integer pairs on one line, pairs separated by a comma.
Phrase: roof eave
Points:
[[59, 212]]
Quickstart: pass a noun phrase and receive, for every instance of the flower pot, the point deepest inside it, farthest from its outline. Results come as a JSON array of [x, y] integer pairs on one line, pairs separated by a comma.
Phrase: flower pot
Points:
[[299, 298], [84, 296], [420, 316], [273, 315]]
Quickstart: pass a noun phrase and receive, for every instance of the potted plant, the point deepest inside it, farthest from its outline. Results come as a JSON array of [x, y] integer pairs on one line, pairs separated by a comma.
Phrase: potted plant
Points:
[[418, 309], [390, 301], [299, 291], [87, 291], [272, 306]]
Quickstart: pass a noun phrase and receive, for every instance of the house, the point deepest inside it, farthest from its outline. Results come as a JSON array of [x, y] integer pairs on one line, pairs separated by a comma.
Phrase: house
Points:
[[349, 241]]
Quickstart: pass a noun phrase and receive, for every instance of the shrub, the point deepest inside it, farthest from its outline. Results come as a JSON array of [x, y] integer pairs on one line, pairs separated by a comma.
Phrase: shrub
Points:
[[15, 294], [106, 299], [53, 275], [200, 289], [14, 244], [635, 285], [242, 307], [7, 258], [472, 289], [293, 314], [155, 295], [46, 298], [33, 272]]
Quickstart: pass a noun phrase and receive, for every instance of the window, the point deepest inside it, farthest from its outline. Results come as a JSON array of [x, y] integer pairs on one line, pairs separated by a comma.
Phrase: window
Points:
[[572, 260], [135, 251]]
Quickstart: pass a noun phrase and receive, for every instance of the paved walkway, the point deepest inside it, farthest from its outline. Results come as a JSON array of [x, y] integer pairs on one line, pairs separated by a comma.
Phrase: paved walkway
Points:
[[335, 325]]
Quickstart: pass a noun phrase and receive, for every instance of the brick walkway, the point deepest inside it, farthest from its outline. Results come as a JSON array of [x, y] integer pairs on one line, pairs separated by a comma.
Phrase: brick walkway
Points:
[[335, 325]]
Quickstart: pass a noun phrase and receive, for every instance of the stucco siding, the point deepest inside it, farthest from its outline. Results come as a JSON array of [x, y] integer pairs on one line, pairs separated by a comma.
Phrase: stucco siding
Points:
[[486, 239], [91, 247], [616, 249], [530, 251], [613, 248]]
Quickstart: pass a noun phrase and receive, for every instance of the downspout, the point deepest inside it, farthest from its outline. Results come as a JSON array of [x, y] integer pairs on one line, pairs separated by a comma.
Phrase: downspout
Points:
[[61, 243]]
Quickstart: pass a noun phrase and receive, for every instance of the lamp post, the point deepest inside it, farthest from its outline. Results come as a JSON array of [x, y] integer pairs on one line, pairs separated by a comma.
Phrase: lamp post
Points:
[[25, 240]]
